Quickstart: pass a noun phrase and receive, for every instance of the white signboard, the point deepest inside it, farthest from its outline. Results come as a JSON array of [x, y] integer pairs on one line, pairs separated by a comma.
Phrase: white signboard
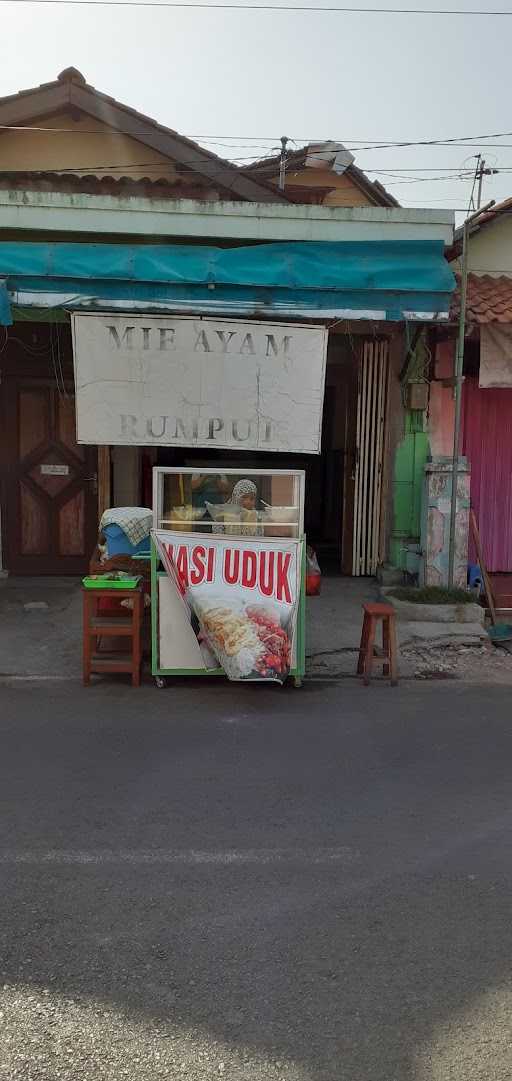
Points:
[[146, 380], [52, 470]]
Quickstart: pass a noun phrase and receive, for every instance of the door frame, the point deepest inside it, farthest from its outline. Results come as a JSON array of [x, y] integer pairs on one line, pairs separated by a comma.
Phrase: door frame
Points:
[[374, 368], [13, 378]]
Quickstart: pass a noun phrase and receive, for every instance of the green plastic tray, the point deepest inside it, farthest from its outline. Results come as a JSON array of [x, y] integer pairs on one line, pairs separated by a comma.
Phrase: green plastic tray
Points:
[[112, 583]]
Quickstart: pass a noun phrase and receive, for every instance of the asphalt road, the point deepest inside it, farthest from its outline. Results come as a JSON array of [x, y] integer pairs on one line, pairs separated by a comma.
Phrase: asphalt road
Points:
[[256, 883]]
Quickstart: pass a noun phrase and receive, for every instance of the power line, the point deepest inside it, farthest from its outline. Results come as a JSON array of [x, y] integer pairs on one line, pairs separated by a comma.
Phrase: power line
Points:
[[456, 12], [497, 213], [430, 179], [194, 164], [393, 170], [122, 131], [159, 168], [303, 141], [460, 140], [136, 165], [431, 169], [157, 173], [450, 172]]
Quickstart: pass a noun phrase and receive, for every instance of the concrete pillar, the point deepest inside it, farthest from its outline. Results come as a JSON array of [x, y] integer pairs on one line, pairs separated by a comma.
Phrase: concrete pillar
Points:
[[435, 523]]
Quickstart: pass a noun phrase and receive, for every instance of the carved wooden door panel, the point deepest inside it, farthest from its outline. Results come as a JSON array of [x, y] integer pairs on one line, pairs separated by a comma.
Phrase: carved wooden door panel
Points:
[[51, 482]]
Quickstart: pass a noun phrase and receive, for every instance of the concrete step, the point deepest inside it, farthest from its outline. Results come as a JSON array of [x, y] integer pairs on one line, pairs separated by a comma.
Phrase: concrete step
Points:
[[438, 635], [387, 575]]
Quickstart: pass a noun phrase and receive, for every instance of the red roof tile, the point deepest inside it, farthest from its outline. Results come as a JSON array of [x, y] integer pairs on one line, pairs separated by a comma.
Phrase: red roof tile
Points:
[[489, 299], [108, 185]]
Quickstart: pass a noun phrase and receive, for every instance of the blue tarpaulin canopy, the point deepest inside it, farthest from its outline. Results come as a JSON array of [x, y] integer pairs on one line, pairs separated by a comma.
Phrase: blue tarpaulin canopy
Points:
[[372, 279], [5, 307]]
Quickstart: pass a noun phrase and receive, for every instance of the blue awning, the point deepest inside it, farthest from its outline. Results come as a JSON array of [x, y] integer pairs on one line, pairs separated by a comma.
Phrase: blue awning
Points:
[[374, 279], [5, 307]]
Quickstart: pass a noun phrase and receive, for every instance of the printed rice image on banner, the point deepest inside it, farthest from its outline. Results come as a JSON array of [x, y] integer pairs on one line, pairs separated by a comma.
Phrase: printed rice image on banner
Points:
[[241, 598]]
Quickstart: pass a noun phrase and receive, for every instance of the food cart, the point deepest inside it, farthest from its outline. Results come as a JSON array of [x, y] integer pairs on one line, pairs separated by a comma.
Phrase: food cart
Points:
[[206, 509]]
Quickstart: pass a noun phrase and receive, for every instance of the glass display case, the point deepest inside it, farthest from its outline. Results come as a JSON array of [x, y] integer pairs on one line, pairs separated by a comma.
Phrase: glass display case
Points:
[[248, 503], [262, 510]]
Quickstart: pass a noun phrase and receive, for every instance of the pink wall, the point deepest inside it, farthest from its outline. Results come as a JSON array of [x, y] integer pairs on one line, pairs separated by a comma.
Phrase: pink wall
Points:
[[487, 444]]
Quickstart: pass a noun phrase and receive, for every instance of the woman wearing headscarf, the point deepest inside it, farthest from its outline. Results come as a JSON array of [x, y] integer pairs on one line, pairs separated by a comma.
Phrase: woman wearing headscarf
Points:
[[244, 494], [240, 515]]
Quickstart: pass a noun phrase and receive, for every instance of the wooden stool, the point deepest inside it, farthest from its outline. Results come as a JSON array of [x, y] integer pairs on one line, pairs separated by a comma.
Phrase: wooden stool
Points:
[[368, 651], [126, 625]]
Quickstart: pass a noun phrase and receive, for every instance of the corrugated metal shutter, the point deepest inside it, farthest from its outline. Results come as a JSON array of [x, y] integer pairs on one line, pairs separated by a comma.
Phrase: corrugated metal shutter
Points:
[[487, 444], [371, 408]]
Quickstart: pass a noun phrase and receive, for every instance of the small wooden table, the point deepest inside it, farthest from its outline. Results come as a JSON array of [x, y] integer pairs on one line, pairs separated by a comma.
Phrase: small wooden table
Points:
[[127, 625]]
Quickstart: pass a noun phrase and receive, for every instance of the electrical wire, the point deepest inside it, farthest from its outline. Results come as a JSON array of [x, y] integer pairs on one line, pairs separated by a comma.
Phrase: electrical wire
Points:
[[170, 165], [456, 12], [303, 141], [271, 150], [213, 174], [162, 166], [41, 352], [399, 169], [453, 174], [450, 171], [431, 180], [57, 370], [456, 174], [454, 209], [458, 140]]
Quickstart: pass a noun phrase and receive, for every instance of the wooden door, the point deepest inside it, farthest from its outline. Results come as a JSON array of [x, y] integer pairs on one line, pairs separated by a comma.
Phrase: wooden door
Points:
[[50, 481]]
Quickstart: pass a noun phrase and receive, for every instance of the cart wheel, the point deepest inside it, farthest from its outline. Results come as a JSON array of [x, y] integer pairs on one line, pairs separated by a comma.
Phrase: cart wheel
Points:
[[297, 682], [160, 682]]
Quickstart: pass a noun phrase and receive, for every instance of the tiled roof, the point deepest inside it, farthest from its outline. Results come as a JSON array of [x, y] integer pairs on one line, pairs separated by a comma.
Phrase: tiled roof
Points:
[[489, 299], [71, 75], [107, 185], [497, 211], [494, 212], [71, 90], [296, 159]]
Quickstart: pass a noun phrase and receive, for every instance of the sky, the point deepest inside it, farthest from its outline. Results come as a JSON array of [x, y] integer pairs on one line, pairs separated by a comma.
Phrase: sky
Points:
[[244, 78]]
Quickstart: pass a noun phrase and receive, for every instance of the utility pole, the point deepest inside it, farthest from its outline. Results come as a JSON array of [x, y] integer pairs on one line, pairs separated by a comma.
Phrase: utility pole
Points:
[[459, 363], [481, 174], [481, 171], [475, 178], [282, 162]]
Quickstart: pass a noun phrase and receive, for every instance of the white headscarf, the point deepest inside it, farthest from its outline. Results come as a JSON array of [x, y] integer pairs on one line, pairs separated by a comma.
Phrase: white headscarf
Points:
[[243, 488]]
